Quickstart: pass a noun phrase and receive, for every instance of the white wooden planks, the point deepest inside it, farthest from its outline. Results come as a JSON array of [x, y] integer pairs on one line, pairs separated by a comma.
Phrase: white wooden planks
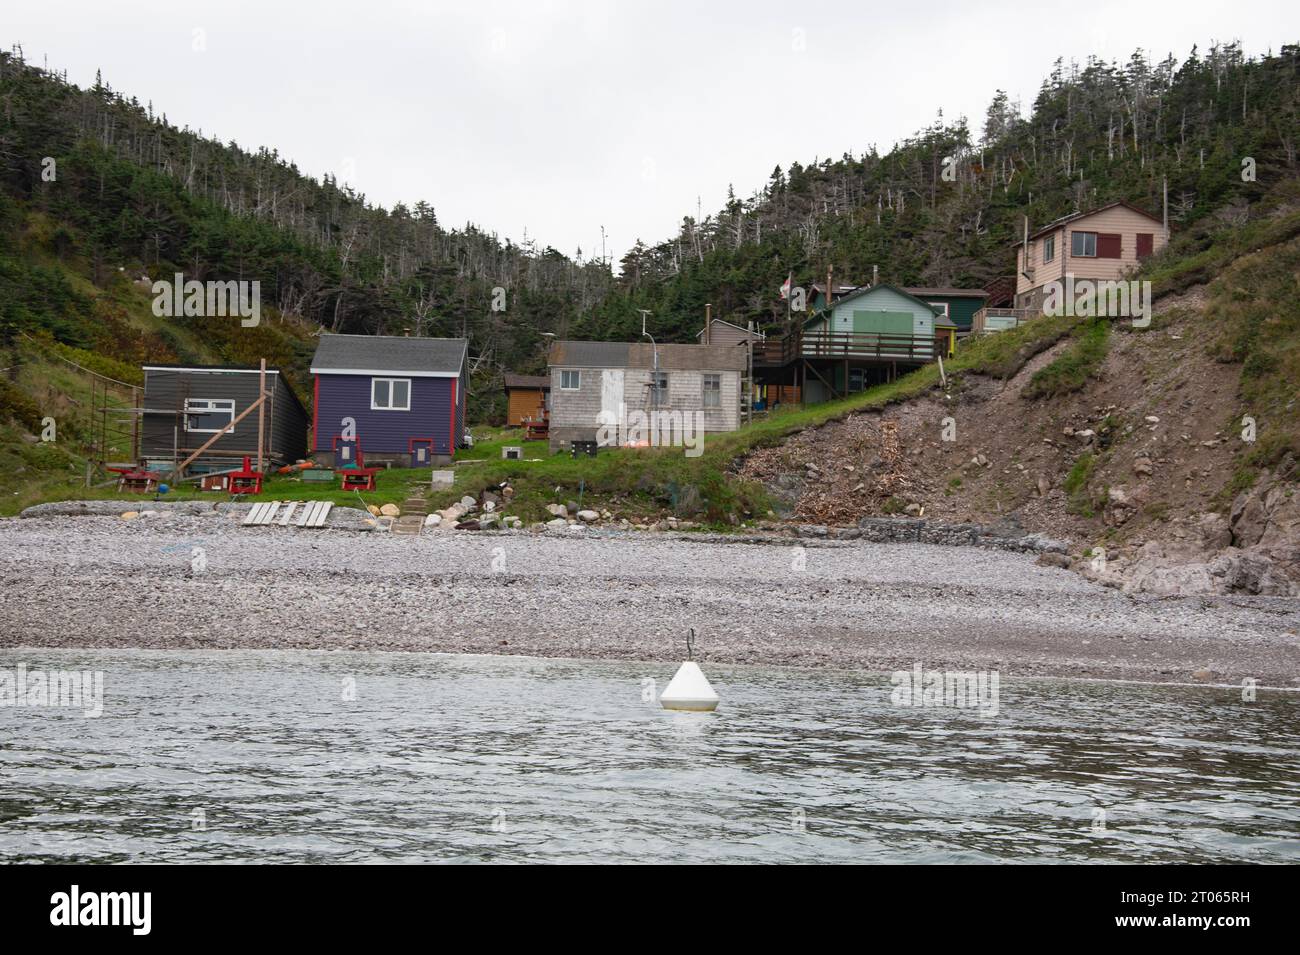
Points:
[[308, 513], [261, 513], [315, 513]]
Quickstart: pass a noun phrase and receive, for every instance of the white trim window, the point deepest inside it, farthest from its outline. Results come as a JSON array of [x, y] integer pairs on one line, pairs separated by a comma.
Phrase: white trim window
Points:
[[712, 391], [1049, 249], [1083, 245], [942, 305], [390, 394], [217, 412], [570, 379]]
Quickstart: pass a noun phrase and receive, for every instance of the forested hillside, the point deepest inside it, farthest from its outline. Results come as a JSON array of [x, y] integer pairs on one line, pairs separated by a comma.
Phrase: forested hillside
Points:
[[135, 196], [1094, 133]]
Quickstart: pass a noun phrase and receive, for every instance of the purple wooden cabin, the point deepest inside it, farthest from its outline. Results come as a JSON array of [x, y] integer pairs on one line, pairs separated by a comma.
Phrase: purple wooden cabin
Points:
[[403, 397]]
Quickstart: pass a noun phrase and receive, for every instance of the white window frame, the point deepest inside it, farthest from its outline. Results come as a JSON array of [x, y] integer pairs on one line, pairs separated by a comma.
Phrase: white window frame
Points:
[[577, 379], [210, 406], [942, 305], [1049, 249], [706, 391], [390, 406], [1084, 254]]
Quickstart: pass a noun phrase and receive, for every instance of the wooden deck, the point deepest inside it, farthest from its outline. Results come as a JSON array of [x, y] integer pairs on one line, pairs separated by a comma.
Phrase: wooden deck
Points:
[[870, 347]]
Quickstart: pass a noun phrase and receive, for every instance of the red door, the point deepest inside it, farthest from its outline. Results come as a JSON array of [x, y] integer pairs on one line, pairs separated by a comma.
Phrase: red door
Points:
[[421, 451]]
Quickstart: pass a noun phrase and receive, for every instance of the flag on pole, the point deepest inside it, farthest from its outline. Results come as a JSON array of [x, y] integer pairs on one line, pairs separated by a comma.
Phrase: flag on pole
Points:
[[785, 289]]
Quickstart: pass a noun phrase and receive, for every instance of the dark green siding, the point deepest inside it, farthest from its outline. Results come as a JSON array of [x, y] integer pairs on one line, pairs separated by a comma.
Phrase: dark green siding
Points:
[[961, 308]]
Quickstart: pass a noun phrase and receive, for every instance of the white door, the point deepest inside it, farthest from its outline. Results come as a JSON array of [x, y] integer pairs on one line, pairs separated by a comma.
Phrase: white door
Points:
[[611, 394]]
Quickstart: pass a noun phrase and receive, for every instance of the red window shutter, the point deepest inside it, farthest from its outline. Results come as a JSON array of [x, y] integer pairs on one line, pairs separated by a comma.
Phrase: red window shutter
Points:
[[1145, 244], [1108, 245]]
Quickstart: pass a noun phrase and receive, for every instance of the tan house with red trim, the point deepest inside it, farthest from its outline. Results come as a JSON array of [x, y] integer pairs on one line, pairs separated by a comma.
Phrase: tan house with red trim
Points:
[[1104, 244]]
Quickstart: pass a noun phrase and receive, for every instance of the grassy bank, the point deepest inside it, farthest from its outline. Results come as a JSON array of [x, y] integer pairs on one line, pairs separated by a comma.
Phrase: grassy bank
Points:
[[646, 483]]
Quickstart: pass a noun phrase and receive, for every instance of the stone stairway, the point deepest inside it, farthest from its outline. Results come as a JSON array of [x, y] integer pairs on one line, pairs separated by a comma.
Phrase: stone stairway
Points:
[[414, 510]]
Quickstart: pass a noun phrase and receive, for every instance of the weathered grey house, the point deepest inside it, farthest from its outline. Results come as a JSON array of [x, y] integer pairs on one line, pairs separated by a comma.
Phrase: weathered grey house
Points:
[[718, 332], [185, 405], [588, 378]]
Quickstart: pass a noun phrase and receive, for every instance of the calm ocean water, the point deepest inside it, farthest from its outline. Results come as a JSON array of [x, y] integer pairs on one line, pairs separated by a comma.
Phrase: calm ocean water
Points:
[[257, 757]]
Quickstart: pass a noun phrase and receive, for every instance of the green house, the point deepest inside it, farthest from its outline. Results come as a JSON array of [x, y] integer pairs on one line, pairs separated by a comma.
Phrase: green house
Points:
[[879, 318], [958, 304], [869, 332]]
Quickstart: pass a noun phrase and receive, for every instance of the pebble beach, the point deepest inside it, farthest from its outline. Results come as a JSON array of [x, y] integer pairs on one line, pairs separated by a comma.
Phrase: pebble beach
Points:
[[96, 580]]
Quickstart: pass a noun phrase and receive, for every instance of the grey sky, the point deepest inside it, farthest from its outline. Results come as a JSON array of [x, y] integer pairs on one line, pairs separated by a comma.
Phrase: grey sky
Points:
[[559, 117]]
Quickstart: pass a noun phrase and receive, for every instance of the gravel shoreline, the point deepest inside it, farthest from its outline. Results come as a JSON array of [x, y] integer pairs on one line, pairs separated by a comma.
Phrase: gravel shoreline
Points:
[[99, 581]]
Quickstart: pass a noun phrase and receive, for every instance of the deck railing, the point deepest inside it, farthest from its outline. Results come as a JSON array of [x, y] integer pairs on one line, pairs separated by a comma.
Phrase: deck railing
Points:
[[1004, 318], [852, 345]]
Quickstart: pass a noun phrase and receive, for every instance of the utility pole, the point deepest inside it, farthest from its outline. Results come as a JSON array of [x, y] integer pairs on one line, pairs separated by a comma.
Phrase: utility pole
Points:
[[749, 361], [1164, 189], [654, 380], [261, 410]]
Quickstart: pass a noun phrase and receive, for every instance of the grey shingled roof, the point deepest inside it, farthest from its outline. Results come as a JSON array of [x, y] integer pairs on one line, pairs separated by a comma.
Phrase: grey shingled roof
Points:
[[949, 292], [590, 354], [342, 353], [672, 356], [527, 381]]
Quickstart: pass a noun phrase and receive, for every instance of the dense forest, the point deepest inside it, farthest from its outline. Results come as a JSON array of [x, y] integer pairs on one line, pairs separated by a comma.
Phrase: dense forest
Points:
[[1095, 133], [134, 194]]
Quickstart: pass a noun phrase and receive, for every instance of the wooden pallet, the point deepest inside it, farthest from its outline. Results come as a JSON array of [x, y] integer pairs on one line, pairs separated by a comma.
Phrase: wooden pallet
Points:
[[307, 513]]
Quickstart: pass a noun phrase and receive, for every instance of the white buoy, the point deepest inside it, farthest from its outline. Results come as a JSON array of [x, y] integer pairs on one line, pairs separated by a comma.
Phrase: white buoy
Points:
[[689, 689]]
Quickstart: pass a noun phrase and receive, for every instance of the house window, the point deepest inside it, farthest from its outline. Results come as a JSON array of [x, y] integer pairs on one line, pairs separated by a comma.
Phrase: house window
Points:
[[209, 415], [1145, 244], [713, 391], [570, 380], [1049, 248], [659, 387], [942, 307], [390, 394], [1083, 244], [857, 379]]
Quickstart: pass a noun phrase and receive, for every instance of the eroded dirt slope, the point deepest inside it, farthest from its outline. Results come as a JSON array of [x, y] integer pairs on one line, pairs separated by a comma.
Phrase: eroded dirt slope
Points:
[[1138, 465]]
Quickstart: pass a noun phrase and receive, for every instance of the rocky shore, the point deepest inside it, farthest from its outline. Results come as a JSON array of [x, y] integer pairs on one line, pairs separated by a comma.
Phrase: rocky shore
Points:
[[192, 577]]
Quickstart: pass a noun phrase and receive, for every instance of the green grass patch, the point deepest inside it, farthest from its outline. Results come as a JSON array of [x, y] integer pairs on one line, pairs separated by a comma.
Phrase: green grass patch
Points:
[[1072, 369], [1079, 501]]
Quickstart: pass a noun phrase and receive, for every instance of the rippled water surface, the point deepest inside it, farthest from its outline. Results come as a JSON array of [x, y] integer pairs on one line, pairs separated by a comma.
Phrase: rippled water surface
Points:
[[255, 756]]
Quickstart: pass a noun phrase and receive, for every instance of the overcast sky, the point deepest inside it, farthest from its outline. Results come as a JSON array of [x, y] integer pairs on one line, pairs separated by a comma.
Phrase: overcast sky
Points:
[[560, 117]]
